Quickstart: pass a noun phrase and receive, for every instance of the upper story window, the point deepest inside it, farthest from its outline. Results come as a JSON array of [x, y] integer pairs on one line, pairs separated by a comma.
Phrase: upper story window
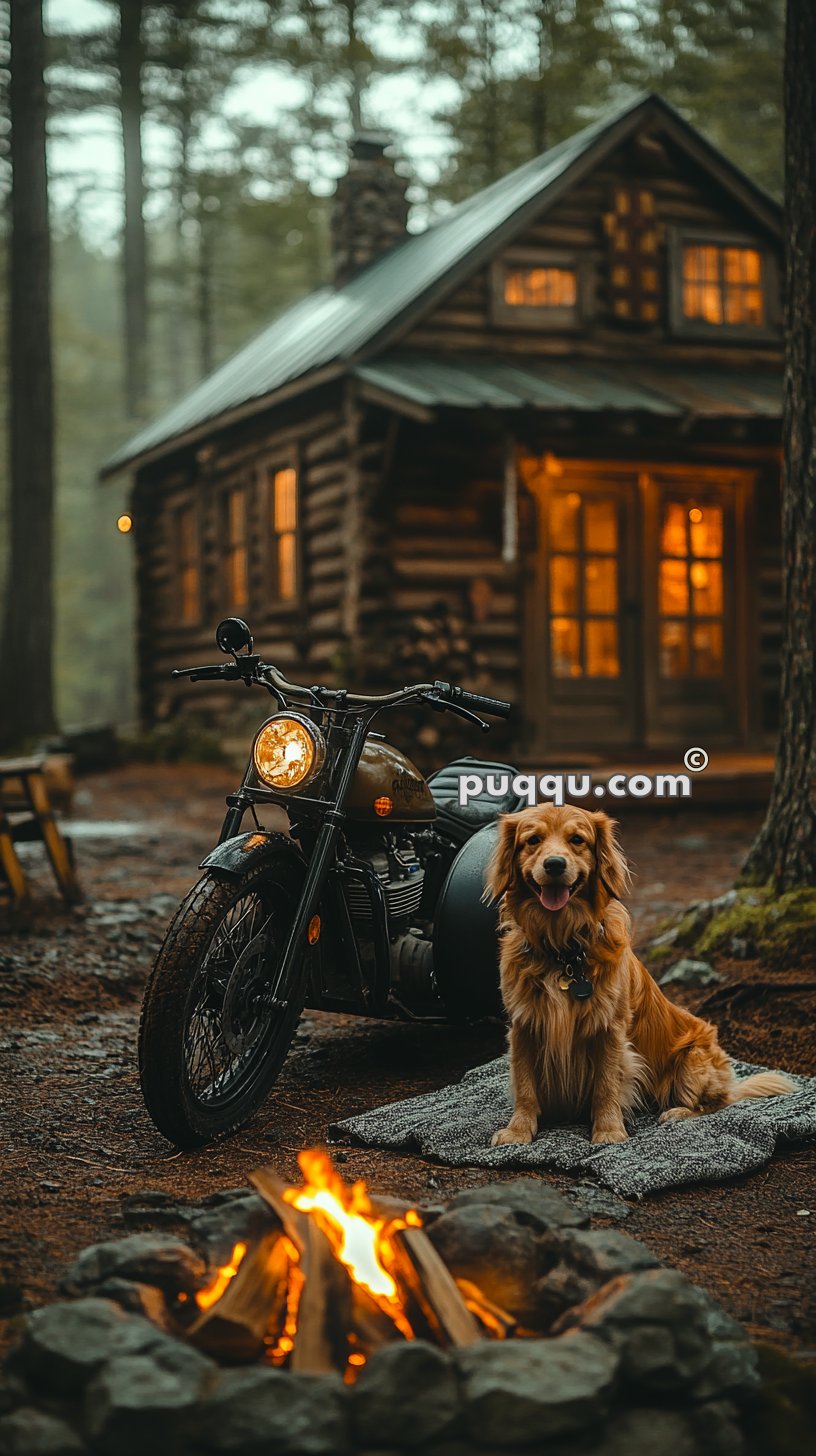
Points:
[[284, 524], [722, 284], [189, 570], [633, 283], [236, 561], [535, 289]]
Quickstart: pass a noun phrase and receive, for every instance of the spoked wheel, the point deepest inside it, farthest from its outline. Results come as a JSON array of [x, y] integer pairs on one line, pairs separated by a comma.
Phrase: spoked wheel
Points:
[[217, 1020]]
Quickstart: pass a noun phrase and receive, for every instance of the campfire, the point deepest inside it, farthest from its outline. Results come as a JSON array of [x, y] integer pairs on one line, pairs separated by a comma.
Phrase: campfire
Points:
[[341, 1274]]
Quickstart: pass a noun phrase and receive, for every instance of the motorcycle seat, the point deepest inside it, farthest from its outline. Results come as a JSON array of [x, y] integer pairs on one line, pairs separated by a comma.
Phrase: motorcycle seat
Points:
[[462, 820]]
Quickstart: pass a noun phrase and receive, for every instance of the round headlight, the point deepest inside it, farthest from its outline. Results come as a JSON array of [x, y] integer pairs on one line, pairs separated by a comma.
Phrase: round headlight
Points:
[[288, 752]]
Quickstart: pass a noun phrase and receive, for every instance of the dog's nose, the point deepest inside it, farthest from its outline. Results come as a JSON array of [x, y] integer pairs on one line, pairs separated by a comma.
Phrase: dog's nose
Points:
[[554, 865]]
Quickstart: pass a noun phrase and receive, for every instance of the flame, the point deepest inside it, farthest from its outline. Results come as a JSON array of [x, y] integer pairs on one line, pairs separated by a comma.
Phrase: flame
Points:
[[212, 1292], [285, 1343]]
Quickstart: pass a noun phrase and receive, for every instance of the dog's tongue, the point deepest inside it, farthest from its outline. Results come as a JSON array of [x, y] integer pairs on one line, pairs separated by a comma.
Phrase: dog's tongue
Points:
[[553, 897]]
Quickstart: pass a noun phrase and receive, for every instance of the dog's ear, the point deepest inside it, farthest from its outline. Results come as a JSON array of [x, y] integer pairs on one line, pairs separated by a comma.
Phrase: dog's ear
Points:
[[613, 871], [501, 872]]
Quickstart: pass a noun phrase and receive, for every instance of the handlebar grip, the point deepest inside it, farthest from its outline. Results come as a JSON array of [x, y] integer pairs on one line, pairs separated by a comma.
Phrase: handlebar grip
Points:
[[476, 702], [219, 670]]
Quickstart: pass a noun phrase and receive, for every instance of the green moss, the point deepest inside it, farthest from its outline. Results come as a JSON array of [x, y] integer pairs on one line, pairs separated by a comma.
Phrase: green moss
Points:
[[784, 1418], [780, 929]]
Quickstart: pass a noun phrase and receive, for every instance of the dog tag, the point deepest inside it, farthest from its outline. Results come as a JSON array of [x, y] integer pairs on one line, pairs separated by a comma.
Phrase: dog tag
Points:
[[565, 983], [581, 989]]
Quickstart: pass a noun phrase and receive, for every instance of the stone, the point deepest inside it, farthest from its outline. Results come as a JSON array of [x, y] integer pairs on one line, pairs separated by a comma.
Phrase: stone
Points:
[[656, 1322], [522, 1391], [732, 1369], [486, 1244], [688, 972], [147, 1402], [157, 1259], [63, 1345], [718, 1429], [216, 1230], [143, 1299], [581, 1262], [407, 1394], [649, 1433], [256, 1412], [599, 1202], [30, 1432], [532, 1201]]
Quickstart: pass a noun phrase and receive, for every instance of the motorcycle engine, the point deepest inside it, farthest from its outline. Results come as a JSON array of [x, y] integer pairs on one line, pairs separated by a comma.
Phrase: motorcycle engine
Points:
[[401, 874]]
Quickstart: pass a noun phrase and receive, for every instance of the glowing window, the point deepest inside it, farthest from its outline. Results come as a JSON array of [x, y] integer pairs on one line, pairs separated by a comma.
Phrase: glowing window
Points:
[[548, 287], [690, 590], [189, 572], [284, 533], [723, 285], [583, 537], [236, 561]]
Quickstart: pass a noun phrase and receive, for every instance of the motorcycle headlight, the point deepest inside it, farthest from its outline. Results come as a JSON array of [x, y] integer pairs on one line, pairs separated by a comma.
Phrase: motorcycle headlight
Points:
[[288, 752]]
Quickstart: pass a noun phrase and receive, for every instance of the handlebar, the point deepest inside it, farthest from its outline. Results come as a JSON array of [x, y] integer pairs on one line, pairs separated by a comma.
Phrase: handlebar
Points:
[[439, 694]]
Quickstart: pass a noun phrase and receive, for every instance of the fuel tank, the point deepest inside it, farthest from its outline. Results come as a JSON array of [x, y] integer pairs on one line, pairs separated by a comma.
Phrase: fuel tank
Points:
[[386, 777]]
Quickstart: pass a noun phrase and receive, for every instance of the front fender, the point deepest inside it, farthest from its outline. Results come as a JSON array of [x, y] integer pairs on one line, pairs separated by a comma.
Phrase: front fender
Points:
[[235, 857]]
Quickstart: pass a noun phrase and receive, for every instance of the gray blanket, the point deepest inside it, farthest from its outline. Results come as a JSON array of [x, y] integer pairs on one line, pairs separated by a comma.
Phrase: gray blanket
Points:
[[455, 1124]]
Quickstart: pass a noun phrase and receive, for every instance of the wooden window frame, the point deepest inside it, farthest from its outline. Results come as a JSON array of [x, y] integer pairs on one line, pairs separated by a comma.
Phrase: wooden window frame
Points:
[[276, 605], [770, 328], [245, 488], [523, 317], [180, 506]]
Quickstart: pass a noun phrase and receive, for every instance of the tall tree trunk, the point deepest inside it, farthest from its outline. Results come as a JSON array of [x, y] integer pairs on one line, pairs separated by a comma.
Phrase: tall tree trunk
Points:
[[785, 850], [134, 245], [26, 681], [544, 46], [204, 293]]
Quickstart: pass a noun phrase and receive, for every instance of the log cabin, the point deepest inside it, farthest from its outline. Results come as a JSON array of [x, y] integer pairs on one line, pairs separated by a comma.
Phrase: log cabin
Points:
[[534, 448]]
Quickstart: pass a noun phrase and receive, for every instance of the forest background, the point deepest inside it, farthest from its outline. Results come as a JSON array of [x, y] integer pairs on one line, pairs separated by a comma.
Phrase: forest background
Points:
[[243, 110]]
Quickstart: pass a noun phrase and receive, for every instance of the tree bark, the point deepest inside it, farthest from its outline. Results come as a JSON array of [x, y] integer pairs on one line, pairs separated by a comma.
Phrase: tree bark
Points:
[[26, 681], [785, 850], [134, 244]]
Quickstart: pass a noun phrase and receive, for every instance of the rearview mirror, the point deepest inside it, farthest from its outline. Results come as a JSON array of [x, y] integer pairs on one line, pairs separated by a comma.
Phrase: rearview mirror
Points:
[[233, 635]]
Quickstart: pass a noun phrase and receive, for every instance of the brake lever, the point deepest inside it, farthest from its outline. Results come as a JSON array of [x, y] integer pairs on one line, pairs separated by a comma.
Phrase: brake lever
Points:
[[442, 705]]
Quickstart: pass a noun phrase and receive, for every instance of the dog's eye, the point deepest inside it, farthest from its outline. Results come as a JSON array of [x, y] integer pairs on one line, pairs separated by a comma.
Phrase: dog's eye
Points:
[[534, 839], [576, 839]]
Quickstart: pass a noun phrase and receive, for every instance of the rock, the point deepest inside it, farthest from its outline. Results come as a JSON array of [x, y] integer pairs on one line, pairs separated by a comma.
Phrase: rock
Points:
[[687, 972], [486, 1244], [732, 1369], [141, 1403], [63, 1345], [407, 1395], [650, 1433], [656, 1321], [153, 1204], [599, 1202], [718, 1429], [143, 1299], [582, 1262], [144, 1258], [256, 1412], [522, 1391], [218, 1228], [30, 1432], [532, 1201]]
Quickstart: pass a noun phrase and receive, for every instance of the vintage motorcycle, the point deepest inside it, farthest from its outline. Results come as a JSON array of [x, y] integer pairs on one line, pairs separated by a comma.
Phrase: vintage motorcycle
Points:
[[370, 902]]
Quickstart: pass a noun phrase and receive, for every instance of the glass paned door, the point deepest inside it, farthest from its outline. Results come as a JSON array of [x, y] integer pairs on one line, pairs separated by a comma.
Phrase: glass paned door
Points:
[[583, 573], [690, 590]]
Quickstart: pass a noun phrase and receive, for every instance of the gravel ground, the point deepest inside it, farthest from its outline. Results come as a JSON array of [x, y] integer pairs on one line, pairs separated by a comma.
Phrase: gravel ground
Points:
[[78, 1141]]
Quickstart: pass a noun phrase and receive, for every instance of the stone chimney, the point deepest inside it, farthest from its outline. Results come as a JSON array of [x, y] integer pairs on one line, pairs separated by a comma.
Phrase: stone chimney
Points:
[[369, 209]]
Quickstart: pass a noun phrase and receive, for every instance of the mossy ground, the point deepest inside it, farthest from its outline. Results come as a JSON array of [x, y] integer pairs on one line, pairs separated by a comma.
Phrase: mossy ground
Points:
[[784, 1418], [780, 930]]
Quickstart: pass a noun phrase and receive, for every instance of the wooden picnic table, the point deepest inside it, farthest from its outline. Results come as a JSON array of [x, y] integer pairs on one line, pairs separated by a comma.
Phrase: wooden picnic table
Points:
[[26, 813]]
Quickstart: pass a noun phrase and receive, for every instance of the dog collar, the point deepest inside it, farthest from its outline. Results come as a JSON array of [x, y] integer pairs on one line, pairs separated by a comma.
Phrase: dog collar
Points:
[[574, 963]]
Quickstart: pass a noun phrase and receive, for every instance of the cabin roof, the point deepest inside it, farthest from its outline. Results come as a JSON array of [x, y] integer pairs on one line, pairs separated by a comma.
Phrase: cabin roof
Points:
[[425, 380], [324, 334]]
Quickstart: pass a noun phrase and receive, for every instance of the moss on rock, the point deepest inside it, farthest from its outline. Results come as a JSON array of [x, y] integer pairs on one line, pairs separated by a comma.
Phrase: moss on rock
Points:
[[750, 921]]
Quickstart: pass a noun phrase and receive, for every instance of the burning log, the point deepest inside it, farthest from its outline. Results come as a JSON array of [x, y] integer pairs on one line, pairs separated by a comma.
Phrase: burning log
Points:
[[497, 1321], [434, 1288], [324, 1312], [237, 1324]]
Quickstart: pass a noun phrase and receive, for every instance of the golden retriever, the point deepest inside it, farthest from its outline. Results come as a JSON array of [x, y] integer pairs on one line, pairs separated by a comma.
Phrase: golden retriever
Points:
[[591, 1033]]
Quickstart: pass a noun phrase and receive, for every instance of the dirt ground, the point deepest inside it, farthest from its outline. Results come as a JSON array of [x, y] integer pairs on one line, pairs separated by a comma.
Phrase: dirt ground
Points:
[[77, 1140]]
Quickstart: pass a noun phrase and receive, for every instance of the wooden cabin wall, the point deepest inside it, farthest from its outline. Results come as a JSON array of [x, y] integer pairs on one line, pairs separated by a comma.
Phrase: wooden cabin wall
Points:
[[464, 320]]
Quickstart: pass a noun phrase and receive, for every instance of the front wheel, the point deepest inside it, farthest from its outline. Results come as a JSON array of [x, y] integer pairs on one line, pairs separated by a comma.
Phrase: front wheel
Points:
[[217, 1021]]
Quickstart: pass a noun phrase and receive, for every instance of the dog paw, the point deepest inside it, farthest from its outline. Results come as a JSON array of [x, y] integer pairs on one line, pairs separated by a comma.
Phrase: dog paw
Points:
[[511, 1135], [676, 1114], [601, 1135]]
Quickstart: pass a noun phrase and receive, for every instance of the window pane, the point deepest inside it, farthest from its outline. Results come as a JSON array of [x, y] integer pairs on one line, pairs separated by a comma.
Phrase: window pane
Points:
[[601, 585], [706, 530], [673, 589], [563, 585], [540, 287], [285, 504], [287, 567], [565, 637], [600, 526], [708, 649], [674, 649], [673, 536], [706, 589], [601, 641], [564, 521]]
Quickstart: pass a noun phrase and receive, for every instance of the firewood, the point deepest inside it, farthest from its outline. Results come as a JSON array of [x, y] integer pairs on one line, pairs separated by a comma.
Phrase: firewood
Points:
[[252, 1306], [324, 1312], [498, 1321], [428, 1279], [369, 1322], [271, 1189]]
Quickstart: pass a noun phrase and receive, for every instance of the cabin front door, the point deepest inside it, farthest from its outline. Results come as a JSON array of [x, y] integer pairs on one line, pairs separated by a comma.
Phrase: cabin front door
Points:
[[636, 629]]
